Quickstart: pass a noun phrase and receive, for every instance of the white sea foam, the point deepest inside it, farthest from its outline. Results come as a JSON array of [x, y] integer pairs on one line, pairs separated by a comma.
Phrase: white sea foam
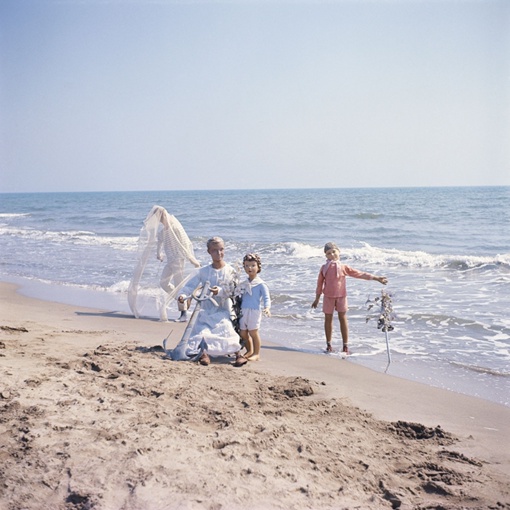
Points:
[[11, 216], [77, 237], [297, 250], [448, 264], [389, 257], [119, 287], [419, 259]]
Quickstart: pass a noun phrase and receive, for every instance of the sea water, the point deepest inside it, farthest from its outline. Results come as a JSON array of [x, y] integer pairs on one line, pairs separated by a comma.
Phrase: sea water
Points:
[[445, 252]]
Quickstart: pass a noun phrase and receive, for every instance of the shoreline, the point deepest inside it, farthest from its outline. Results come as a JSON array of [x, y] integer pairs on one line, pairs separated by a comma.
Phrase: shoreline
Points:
[[448, 377], [97, 351]]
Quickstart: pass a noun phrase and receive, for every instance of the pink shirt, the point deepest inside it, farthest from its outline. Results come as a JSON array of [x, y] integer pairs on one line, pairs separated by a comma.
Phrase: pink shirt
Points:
[[331, 280]]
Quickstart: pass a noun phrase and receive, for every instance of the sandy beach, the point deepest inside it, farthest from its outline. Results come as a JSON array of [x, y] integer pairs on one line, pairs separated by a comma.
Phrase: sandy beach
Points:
[[94, 416]]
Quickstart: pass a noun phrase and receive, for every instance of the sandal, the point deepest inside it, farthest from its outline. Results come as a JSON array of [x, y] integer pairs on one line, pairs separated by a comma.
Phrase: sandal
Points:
[[329, 348], [240, 361], [345, 349]]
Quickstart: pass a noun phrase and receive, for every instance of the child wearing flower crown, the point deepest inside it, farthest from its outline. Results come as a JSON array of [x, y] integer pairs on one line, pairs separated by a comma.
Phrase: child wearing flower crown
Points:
[[255, 302], [331, 282]]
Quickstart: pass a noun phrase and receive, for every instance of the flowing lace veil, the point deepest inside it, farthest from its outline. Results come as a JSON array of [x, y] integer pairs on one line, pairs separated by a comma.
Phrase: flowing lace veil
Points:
[[155, 283]]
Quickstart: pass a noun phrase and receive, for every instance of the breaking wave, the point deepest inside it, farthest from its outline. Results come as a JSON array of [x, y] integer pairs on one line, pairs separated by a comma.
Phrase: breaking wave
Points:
[[393, 257]]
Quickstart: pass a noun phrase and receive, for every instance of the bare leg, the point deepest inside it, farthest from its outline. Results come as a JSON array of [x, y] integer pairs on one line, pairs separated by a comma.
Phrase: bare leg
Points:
[[178, 277], [328, 327], [166, 284], [256, 342], [344, 328], [167, 276], [183, 308], [248, 344]]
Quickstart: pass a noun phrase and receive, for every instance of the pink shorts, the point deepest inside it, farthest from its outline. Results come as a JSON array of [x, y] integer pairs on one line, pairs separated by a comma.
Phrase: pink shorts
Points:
[[330, 304]]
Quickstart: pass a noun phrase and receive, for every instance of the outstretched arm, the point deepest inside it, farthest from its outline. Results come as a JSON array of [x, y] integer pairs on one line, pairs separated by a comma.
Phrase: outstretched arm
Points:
[[355, 273], [190, 287]]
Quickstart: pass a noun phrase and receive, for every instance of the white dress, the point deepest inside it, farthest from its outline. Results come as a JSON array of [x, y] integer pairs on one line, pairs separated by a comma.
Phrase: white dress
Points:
[[214, 325], [161, 230]]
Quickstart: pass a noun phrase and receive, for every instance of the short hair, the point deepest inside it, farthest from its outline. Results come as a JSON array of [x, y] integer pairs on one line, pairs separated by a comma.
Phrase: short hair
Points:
[[253, 257], [330, 246], [214, 240]]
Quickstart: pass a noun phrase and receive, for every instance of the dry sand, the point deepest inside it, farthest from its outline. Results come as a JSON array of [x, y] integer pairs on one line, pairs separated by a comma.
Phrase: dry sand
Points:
[[92, 416]]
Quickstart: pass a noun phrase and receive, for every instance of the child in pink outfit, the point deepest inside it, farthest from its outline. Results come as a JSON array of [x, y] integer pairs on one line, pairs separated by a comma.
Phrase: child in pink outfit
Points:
[[332, 283]]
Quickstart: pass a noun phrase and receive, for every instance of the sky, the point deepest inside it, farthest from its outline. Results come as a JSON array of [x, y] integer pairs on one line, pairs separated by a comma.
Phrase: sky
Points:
[[121, 95]]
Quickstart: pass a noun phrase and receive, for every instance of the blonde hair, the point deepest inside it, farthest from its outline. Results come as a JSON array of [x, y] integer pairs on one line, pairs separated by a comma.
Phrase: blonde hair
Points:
[[330, 246], [214, 240]]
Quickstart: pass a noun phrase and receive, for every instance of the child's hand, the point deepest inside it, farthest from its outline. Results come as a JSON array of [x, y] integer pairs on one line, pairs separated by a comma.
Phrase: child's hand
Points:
[[381, 279], [267, 312]]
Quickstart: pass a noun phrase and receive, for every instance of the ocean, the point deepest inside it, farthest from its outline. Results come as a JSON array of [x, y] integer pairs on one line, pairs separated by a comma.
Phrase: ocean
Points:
[[445, 252]]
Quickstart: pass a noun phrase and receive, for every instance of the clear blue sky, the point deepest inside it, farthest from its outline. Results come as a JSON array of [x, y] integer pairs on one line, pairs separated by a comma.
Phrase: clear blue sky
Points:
[[161, 94]]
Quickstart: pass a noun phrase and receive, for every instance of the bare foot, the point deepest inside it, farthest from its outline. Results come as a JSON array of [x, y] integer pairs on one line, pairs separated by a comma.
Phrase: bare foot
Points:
[[253, 357]]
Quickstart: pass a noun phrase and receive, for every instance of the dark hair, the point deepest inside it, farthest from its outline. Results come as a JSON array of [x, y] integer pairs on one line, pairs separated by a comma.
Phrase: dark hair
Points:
[[252, 257]]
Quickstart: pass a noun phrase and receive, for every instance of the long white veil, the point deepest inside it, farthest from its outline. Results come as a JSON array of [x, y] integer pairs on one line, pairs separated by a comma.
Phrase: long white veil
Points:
[[154, 283]]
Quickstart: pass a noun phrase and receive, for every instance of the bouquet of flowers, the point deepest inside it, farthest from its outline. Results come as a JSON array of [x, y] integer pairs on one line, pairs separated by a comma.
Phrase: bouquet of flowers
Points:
[[234, 290], [384, 314]]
